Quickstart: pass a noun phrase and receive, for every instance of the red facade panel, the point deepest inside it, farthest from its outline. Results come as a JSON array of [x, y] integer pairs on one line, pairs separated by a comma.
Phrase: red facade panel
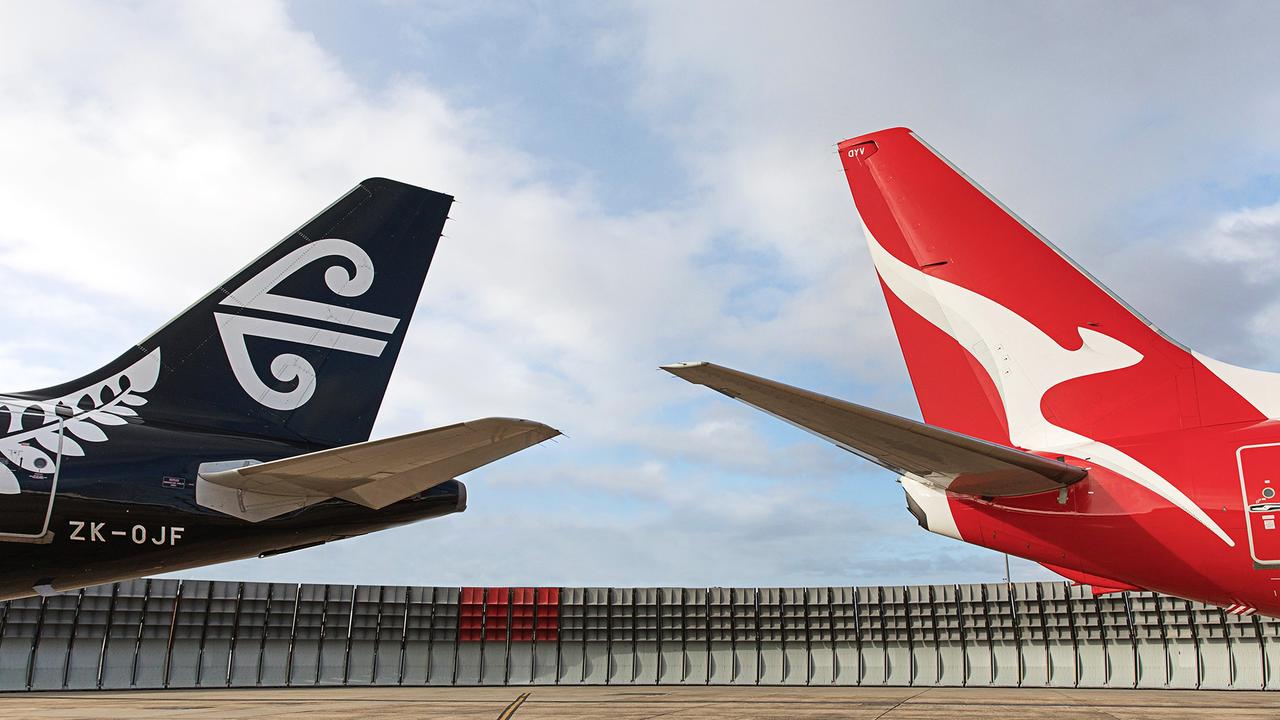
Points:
[[471, 614], [486, 614], [547, 602]]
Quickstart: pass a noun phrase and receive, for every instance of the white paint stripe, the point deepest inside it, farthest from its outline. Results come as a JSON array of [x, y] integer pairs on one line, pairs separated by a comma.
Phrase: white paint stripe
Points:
[[1259, 388]]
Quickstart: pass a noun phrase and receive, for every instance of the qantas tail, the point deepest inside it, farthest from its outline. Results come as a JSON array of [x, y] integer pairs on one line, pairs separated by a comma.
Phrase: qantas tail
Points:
[[300, 344], [1007, 339]]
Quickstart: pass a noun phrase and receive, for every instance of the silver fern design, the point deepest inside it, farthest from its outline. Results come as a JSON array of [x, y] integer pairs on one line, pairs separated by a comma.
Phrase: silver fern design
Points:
[[32, 437]]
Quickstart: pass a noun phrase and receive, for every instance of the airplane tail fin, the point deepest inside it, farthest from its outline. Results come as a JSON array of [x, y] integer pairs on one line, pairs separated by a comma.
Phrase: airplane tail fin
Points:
[[300, 344], [1005, 338]]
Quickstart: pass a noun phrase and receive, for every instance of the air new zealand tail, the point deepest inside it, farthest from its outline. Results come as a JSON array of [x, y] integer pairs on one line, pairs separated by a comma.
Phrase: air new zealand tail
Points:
[[240, 427], [300, 344]]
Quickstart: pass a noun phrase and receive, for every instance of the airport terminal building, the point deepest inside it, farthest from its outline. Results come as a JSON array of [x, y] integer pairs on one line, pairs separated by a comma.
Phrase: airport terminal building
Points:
[[203, 634]]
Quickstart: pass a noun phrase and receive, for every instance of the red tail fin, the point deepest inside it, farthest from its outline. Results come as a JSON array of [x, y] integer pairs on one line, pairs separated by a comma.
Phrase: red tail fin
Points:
[[1004, 336]]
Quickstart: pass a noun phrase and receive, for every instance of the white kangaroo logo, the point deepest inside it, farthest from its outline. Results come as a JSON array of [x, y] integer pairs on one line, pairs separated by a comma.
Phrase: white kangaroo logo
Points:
[[1024, 363], [289, 367]]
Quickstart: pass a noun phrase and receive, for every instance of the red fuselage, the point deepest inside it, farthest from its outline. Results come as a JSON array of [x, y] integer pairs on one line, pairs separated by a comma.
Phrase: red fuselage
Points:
[[1009, 341], [1111, 527]]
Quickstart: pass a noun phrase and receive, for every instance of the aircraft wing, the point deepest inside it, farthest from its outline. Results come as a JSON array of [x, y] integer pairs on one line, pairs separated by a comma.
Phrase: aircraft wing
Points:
[[949, 460], [373, 474]]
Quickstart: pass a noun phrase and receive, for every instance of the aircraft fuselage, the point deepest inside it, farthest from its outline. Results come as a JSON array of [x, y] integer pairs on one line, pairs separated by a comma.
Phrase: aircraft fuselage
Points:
[[133, 511]]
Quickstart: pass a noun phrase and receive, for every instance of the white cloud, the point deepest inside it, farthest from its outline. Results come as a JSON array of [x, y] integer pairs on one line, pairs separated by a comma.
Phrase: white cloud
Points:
[[1249, 237], [1246, 243], [1093, 121], [163, 145], [150, 150]]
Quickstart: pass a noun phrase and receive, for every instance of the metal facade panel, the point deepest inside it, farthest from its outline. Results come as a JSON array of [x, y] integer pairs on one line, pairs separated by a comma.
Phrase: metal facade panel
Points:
[[17, 633], [214, 634], [302, 665], [49, 658], [154, 633]]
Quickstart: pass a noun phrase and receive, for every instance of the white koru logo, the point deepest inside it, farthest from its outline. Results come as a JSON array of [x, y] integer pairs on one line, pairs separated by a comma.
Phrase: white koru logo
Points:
[[288, 367], [107, 403]]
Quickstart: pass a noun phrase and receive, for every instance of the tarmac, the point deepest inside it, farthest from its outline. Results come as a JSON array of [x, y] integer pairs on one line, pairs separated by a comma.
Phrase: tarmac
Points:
[[641, 703]]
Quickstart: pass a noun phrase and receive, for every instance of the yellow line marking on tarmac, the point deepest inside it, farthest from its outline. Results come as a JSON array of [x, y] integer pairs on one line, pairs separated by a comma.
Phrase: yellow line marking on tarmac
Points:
[[511, 709]]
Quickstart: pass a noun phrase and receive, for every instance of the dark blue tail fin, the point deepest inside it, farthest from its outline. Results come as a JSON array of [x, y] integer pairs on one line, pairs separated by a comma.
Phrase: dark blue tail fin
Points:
[[301, 343]]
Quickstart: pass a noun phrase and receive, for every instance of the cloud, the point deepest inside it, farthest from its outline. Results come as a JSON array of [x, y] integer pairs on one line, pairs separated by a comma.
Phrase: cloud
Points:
[[170, 143], [1249, 238], [665, 534], [1120, 134], [1244, 244], [154, 148]]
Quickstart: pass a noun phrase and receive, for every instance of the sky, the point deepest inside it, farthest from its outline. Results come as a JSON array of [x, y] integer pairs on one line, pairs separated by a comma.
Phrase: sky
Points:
[[636, 184]]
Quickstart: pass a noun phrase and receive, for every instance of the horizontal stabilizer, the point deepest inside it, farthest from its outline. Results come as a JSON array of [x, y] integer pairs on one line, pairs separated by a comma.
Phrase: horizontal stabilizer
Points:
[[374, 474], [949, 460]]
